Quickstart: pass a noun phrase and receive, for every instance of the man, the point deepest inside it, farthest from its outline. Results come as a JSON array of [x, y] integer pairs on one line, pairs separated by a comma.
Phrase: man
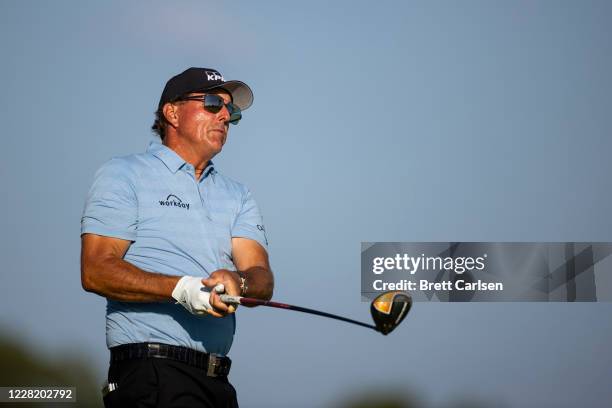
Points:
[[164, 227]]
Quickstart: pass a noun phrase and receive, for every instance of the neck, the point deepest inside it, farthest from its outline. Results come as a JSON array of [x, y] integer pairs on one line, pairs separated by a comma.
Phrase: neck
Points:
[[198, 159]]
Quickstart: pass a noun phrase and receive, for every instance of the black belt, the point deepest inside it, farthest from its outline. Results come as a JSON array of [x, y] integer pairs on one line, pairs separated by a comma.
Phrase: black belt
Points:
[[213, 364]]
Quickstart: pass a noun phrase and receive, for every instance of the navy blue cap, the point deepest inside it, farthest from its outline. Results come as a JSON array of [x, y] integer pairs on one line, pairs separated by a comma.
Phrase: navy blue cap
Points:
[[205, 79]]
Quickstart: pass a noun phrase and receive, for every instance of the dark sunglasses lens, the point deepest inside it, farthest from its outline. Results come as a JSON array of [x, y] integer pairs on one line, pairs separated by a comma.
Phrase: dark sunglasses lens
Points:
[[235, 113], [213, 103]]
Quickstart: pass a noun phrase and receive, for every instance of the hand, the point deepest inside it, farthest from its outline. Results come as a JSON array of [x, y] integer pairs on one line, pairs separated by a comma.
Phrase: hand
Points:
[[191, 293], [231, 281]]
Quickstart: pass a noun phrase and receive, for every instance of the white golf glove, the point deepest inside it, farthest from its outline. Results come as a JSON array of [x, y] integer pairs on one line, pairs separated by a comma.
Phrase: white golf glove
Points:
[[193, 295]]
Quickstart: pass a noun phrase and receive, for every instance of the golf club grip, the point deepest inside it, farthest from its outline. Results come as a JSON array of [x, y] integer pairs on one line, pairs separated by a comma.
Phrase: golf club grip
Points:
[[239, 300], [232, 300]]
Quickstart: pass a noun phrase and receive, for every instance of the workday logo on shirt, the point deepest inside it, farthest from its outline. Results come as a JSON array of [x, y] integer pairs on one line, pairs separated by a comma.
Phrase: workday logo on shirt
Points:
[[173, 201]]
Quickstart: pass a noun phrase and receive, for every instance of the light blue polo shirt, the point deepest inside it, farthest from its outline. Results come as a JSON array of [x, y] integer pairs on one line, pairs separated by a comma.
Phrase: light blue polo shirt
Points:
[[178, 226]]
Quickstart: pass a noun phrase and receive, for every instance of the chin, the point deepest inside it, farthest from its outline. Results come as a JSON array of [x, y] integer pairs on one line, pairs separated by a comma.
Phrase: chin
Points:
[[216, 149], [215, 145]]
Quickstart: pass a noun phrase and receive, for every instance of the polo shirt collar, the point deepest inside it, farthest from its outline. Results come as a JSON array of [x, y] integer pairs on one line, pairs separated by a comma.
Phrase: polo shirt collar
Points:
[[210, 169], [172, 160]]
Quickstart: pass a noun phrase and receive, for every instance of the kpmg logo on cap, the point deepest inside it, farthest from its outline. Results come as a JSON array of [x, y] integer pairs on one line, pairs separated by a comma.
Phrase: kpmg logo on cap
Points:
[[214, 76]]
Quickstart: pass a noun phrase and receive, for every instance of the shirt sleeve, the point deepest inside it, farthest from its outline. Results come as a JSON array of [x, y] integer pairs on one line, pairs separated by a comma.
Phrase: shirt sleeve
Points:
[[249, 222], [111, 208]]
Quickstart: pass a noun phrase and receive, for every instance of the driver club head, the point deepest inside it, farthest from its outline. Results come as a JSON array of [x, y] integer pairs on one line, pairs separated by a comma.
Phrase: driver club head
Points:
[[389, 309]]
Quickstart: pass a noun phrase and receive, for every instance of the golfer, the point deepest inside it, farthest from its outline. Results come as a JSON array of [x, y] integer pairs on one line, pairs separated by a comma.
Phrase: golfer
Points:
[[163, 233]]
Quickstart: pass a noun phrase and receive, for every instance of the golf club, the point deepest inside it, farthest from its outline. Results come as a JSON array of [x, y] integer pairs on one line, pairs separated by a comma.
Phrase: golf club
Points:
[[388, 309]]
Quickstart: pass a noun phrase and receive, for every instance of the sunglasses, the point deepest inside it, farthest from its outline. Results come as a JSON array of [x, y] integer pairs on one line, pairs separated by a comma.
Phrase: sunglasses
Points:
[[214, 103]]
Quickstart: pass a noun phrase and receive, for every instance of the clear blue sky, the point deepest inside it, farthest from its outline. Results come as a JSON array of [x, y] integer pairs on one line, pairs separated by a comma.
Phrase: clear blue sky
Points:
[[372, 121]]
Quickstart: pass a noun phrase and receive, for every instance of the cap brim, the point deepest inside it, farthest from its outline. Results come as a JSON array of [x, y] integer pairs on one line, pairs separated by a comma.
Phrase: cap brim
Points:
[[242, 95]]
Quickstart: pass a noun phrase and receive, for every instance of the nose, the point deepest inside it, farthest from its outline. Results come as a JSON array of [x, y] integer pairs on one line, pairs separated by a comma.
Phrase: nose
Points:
[[223, 115]]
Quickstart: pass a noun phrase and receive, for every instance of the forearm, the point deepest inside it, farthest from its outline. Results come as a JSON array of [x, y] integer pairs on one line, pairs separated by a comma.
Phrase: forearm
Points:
[[119, 280], [260, 282]]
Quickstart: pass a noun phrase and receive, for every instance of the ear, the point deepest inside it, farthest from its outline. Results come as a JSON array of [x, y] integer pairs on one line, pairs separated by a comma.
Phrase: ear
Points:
[[171, 114]]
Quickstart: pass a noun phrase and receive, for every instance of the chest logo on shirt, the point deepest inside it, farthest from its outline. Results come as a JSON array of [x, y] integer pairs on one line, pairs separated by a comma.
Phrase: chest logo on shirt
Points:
[[173, 201]]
